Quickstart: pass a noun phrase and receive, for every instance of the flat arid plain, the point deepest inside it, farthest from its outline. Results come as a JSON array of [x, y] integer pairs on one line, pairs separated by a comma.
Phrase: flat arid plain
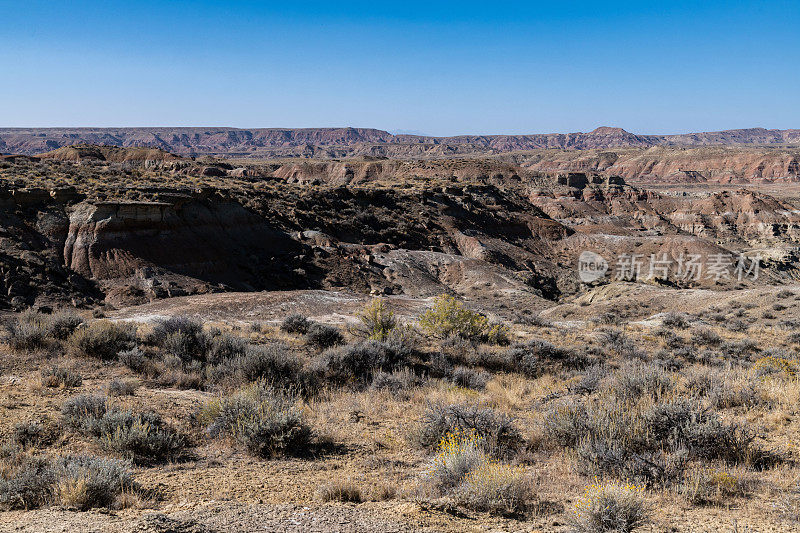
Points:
[[218, 330]]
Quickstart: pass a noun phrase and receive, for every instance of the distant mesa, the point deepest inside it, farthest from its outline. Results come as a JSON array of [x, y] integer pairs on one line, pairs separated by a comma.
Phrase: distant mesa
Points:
[[336, 143], [608, 130]]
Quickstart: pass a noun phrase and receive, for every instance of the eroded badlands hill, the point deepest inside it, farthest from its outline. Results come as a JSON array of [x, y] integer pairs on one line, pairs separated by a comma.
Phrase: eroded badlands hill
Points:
[[93, 224], [720, 164]]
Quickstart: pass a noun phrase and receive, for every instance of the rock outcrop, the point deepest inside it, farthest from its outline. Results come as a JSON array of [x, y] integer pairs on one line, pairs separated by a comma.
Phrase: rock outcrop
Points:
[[668, 164], [214, 241]]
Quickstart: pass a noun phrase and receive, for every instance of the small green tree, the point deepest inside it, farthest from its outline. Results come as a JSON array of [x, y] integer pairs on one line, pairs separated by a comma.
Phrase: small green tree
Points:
[[377, 320], [449, 317]]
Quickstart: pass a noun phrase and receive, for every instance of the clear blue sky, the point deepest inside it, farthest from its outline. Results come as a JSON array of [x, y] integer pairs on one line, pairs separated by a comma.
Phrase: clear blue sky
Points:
[[438, 67]]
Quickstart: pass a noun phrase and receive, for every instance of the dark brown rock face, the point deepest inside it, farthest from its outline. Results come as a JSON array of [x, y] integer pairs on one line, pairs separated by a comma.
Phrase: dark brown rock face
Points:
[[216, 242]]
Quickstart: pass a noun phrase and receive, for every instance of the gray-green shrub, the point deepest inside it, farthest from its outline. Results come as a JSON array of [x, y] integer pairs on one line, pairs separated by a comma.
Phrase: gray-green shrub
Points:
[[102, 339], [263, 419], [296, 324], [323, 336], [497, 429]]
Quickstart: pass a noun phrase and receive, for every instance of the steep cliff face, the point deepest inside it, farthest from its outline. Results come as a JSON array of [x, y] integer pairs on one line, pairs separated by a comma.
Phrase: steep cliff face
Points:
[[33, 227], [194, 245], [736, 215]]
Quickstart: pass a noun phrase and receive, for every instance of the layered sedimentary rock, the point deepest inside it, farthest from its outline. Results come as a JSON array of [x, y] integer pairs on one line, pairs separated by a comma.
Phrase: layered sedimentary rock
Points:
[[349, 142], [716, 164], [213, 241], [671, 164], [739, 216]]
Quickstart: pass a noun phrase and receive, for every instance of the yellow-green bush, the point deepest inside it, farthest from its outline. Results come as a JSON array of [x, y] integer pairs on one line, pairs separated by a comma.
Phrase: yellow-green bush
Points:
[[771, 365], [449, 317], [376, 320], [457, 454], [463, 470]]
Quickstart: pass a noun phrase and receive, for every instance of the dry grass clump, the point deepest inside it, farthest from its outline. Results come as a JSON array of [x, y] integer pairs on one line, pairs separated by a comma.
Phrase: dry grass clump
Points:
[[706, 337], [704, 484], [79, 412], [496, 488], [273, 362], [135, 359], [181, 337], [33, 433], [339, 491], [123, 387], [607, 319], [63, 323], [181, 352], [57, 377], [734, 388], [638, 378], [142, 437], [265, 420], [296, 323], [86, 482], [645, 440], [675, 320], [395, 381], [469, 378], [788, 504], [356, 364], [737, 325], [30, 332], [535, 358], [34, 331], [616, 341], [322, 336], [610, 507], [25, 482]]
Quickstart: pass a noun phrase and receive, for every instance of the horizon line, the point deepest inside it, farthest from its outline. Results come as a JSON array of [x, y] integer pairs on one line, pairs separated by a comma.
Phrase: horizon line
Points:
[[387, 131]]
